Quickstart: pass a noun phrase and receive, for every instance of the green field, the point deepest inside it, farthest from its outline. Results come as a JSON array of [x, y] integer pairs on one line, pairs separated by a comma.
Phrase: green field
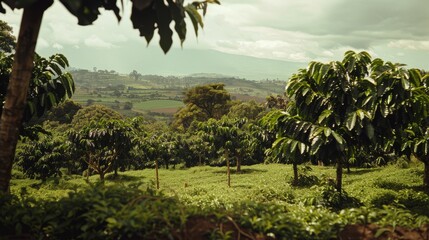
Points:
[[157, 104], [260, 202]]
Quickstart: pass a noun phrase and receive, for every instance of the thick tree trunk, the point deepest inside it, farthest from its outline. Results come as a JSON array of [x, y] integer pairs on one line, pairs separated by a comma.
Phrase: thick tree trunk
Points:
[[339, 180], [15, 102], [156, 174], [295, 173]]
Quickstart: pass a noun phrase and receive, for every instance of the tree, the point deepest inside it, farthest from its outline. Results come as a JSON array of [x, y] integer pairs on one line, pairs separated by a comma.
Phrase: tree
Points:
[[108, 144], [135, 75], [42, 159], [93, 113], [7, 40], [403, 111], [49, 84], [63, 113], [250, 110], [277, 102], [146, 17], [330, 112], [227, 136], [202, 103]]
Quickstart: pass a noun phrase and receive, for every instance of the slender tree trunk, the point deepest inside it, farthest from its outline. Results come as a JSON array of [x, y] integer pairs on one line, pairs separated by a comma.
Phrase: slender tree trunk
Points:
[[426, 173], [238, 165], [228, 170], [295, 173], [89, 168], [339, 179], [199, 160], [348, 166], [156, 174], [102, 173], [15, 102]]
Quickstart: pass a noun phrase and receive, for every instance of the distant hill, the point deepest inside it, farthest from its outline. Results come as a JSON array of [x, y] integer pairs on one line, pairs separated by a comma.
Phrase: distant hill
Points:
[[159, 94], [178, 62]]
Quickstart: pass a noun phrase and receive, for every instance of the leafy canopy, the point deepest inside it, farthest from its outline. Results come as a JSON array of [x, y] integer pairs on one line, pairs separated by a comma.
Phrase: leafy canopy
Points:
[[146, 15]]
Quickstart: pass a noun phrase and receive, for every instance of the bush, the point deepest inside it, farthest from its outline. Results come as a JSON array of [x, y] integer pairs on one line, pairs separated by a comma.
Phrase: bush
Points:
[[328, 196], [98, 212], [305, 179]]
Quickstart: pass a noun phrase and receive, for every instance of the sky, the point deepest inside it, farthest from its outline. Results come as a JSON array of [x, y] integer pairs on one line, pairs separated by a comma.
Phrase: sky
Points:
[[267, 39]]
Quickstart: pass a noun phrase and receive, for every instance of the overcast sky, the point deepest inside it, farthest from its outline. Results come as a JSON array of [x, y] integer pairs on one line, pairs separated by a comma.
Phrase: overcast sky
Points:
[[287, 30]]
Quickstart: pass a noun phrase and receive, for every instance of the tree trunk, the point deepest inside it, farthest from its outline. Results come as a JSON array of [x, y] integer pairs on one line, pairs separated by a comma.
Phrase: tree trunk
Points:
[[238, 165], [156, 174], [295, 173], [426, 173], [348, 166], [339, 179], [228, 170], [102, 173], [15, 101], [199, 160]]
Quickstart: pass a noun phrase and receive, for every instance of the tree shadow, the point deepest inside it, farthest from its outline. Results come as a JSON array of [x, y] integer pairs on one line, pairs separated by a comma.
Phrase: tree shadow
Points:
[[122, 178], [391, 185], [243, 171], [360, 171]]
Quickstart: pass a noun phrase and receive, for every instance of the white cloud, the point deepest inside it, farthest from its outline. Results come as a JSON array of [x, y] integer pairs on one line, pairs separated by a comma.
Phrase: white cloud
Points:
[[96, 42], [42, 43], [410, 44], [57, 46]]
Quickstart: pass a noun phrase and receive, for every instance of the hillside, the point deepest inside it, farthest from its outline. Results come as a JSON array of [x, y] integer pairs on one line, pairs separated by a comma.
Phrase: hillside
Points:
[[137, 94]]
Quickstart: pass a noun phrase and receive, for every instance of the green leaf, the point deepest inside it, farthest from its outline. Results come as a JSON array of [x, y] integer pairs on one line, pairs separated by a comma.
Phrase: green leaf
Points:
[[327, 131], [325, 114], [195, 17], [338, 138], [351, 121], [164, 20]]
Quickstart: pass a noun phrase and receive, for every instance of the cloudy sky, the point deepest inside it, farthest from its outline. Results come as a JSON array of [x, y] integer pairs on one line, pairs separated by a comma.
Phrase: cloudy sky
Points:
[[287, 31]]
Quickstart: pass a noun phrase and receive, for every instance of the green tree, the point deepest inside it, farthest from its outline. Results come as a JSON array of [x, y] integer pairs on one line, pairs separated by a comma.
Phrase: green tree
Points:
[[146, 17], [108, 144], [63, 113], [227, 136], [93, 113], [44, 158], [330, 113], [402, 113], [7, 40], [202, 103], [250, 110]]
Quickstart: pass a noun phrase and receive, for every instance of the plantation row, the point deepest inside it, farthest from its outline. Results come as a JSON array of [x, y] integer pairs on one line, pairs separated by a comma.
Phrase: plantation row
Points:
[[355, 113], [358, 112]]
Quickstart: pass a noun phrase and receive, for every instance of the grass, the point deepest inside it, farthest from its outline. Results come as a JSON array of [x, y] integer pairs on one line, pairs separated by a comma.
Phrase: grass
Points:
[[157, 104], [207, 185], [260, 199]]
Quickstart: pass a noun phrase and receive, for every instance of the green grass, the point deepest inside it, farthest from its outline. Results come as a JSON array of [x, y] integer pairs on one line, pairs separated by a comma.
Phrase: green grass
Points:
[[261, 199], [207, 185]]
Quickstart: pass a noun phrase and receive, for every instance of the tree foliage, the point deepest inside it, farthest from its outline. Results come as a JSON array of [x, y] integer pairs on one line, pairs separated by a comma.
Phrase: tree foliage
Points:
[[93, 113], [146, 15], [7, 39], [202, 103]]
